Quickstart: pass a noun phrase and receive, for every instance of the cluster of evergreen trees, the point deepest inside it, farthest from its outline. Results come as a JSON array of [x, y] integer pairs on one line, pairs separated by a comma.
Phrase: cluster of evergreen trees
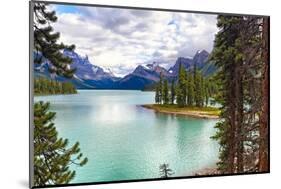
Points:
[[52, 155], [191, 89], [44, 86], [241, 54]]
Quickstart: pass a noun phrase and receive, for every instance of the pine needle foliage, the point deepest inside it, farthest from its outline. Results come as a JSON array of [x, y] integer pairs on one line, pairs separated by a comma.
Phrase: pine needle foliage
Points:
[[46, 44], [52, 155]]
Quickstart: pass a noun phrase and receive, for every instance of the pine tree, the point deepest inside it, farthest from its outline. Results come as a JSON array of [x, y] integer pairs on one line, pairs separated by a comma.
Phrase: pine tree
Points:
[[239, 55], [160, 89], [52, 156], [198, 87], [224, 57], [181, 92], [207, 92], [166, 92], [249, 69], [45, 42], [263, 130], [190, 90], [165, 171], [157, 97], [201, 89], [173, 92], [213, 89]]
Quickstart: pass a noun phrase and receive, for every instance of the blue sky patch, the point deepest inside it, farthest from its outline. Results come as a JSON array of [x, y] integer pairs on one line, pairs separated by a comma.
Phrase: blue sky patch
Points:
[[66, 9]]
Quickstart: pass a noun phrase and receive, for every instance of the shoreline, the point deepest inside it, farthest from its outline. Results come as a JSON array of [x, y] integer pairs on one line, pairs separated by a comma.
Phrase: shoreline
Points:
[[208, 171], [188, 113], [38, 95], [204, 171]]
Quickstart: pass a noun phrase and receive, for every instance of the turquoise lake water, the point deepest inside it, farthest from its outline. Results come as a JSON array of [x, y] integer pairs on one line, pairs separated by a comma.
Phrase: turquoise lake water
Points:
[[124, 141]]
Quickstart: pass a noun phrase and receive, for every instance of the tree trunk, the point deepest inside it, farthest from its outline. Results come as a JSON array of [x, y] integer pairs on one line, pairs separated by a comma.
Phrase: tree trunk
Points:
[[232, 143], [263, 148], [240, 130]]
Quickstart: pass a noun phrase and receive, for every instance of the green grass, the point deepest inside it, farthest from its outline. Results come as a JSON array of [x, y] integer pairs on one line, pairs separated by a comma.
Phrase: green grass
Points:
[[212, 111]]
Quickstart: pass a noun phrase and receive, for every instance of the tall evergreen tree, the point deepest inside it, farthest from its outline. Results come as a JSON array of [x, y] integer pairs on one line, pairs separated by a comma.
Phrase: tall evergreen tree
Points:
[[52, 156], [190, 90], [201, 90], [157, 97], [224, 57], [239, 54], [263, 148], [173, 92], [165, 92], [207, 92], [45, 42], [250, 66], [160, 89], [181, 87], [198, 87]]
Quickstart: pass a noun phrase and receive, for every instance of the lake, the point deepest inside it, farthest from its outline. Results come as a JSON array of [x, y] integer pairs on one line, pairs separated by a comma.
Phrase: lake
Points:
[[124, 141]]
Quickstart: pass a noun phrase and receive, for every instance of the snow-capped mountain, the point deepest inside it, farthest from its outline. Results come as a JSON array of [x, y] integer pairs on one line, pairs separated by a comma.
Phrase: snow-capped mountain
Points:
[[85, 69], [143, 75], [88, 75]]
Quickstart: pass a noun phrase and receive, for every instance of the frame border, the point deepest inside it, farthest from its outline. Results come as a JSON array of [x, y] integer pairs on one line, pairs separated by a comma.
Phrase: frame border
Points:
[[31, 94]]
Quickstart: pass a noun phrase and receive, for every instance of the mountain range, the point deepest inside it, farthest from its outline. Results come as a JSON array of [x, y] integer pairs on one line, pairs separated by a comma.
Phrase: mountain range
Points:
[[90, 76]]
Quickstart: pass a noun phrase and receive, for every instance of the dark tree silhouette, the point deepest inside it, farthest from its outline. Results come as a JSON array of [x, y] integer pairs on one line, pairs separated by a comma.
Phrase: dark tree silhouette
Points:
[[165, 171], [45, 42], [52, 155]]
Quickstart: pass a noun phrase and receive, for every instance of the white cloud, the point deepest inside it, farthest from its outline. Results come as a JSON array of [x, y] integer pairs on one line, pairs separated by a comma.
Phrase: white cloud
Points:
[[121, 39]]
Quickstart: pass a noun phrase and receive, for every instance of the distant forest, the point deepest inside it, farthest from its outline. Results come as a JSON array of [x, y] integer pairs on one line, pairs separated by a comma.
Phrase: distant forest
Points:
[[44, 86]]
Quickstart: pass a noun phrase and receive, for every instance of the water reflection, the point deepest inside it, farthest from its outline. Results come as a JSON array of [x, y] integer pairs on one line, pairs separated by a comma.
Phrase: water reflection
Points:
[[125, 141]]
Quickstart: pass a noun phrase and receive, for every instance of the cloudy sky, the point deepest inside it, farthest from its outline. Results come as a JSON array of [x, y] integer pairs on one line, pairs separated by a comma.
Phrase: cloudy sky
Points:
[[121, 39]]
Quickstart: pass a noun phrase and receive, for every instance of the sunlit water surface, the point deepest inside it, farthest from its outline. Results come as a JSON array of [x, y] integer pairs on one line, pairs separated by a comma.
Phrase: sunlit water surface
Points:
[[124, 141]]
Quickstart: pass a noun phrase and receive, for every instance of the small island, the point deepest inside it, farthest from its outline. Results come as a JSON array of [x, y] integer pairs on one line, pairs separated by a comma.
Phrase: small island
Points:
[[196, 112], [190, 94]]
